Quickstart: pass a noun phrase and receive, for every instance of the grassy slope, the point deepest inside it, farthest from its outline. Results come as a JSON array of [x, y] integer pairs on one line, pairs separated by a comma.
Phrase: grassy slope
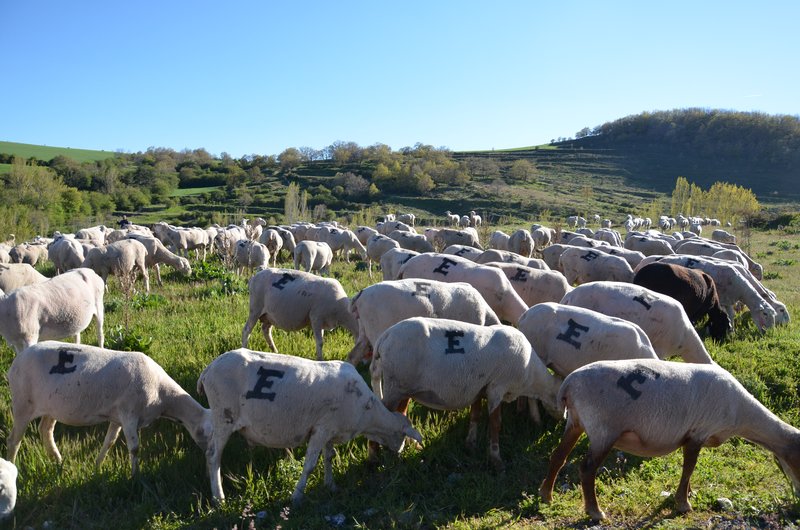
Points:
[[441, 485], [43, 152]]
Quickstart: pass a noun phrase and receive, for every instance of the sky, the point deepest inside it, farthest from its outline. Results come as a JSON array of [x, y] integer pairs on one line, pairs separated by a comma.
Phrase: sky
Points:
[[256, 77]]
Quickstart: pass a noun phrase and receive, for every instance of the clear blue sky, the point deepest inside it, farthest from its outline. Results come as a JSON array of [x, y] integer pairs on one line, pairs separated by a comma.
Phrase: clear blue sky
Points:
[[256, 77]]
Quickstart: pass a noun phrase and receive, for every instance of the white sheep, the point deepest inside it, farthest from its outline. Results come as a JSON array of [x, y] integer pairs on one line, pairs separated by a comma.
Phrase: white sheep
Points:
[[474, 219], [344, 241], [384, 304], [363, 233], [393, 259], [292, 300], [568, 337], [447, 236], [723, 236], [285, 401], [157, 254], [408, 218], [54, 309], [250, 255], [390, 226], [14, 275], [660, 316], [542, 236], [493, 285], [452, 218], [409, 241], [450, 365], [649, 246], [633, 257], [521, 242], [272, 239], [84, 385], [651, 408], [499, 240], [464, 251], [182, 240], [377, 246], [121, 258], [8, 488], [534, 285], [313, 256], [66, 253], [581, 265], [28, 253], [506, 256]]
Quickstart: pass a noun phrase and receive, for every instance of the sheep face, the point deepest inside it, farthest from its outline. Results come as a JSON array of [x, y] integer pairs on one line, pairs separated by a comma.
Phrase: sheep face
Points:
[[184, 267], [790, 465], [764, 316], [395, 438]]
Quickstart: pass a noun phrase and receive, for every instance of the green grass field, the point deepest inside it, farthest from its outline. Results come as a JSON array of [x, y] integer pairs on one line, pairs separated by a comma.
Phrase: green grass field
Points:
[[43, 152], [189, 321], [186, 192]]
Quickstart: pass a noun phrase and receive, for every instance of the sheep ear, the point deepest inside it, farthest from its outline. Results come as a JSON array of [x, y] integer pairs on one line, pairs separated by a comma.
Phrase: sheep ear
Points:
[[412, 433]]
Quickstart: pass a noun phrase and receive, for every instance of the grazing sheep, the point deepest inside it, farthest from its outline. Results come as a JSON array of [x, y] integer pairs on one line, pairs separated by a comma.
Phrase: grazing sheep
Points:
[[182, 240], [408, 218], [474, 219], [288, 243], [694, 289], [649, 246], [493, 285], [534, 285], [447, 236], [464, 251], [121, 258], [541, 236], [499, 240], [452, 218], [284, 401], [313, 256], [660, 316], [273, 240], [14, 275], [5, 257], [393, 259], [506, 256], [633, 257], [54, 309], [521, 242], [343, 240], [390, 226], [377, 246], [363, 233], [8, 488], [723, 236], [27, 253], [450, 365], [250, 255], [384, 304], [409, 241], [582, 265], [651, 408], [66, 253], [568, 337], [157, 254], [85, 385], [292, 300]]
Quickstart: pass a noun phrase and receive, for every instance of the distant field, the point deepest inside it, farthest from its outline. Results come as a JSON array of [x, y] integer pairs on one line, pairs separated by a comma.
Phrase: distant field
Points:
[[43, 152], [185, 192], [5, 169]]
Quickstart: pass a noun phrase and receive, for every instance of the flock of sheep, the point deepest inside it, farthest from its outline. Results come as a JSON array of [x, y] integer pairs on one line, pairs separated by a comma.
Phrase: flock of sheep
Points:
[[589, 318]]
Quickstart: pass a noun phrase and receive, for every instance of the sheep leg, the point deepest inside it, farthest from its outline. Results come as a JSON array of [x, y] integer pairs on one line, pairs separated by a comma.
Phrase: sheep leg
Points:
[[158, 274], [248, 328], [474, 418], [266, 329], [572, 433], [691, 450], [46, 427], [99, 315], [111, 436], [318, 335], [495, 420], [588, 471], [315, 446], [131, 433], [221, 433], [328, 456]]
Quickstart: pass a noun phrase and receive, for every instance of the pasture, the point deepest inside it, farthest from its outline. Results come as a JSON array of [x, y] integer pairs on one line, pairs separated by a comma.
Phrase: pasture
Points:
[[189, 321]]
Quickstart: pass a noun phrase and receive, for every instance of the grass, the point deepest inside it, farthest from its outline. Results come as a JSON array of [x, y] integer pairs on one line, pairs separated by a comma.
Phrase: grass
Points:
[[189, 321], [185, 192], [43, 152]]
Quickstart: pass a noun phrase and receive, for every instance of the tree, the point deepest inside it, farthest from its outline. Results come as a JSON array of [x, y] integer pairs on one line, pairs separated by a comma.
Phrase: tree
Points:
[[290, 159], [522, 170], [295, 204]]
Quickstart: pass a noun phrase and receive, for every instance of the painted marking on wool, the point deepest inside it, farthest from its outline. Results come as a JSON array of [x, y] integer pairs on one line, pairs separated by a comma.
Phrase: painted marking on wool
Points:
[[453, 343], [64, 358], [573, 330], [264, 375], [640, 376]]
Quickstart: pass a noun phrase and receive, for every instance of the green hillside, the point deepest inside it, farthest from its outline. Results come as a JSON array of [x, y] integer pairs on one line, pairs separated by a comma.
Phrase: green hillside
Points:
[[47, 153]]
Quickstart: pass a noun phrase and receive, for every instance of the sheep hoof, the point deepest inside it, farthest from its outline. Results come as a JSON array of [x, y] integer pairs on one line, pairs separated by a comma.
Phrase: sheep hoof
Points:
[[498, 465], [546, 495], [683, 507], [596, 515], [297, 500]]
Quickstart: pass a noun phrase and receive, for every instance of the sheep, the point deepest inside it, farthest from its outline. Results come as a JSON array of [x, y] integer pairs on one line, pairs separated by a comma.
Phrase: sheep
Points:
[[157, 254], [408, 218], [648, 246], [272, 239], [8, 488], [393, 259], [542, 236], [288, 241], [446, 237], [450, 365], [452, 218], [292, 300], [409, 241], [377, 246], [14, 275], [59, 307], [363, 233], [660, 316], [568, 337], [587, 265], [506, 256], [384, 304], [612, 237], [85, 385], [284, 401], [733, 285], [521, 242], [651, 408], [28, 253], [534, 285], [465, 251], [250, 255], [121, 258], [5, 257], [182, 240], [95, 233], [389, 227], [633, 257], [499, 240], [474, 219], [313, 256], [66, 253], [343, 240], [552, 255], [723, 236], [493, 285], [704, 247], [694, 289]]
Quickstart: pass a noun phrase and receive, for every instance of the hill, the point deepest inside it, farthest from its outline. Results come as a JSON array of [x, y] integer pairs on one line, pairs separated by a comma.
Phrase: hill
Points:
[[46, 153]]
